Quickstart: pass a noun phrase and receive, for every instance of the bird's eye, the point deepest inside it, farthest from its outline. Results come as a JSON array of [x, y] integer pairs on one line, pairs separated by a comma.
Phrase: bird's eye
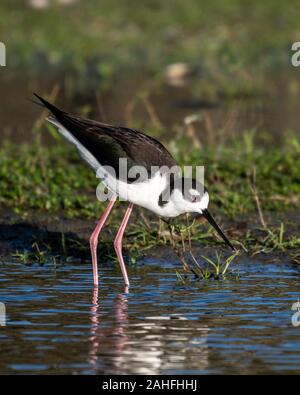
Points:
[[195, 198]]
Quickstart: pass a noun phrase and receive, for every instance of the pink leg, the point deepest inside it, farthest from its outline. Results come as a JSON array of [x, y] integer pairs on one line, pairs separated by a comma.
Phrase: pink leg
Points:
[[95, 235], [118, 243]]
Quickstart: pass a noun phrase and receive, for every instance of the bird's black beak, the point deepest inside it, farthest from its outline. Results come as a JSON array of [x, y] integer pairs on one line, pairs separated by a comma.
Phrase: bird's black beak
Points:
[[206, 214]]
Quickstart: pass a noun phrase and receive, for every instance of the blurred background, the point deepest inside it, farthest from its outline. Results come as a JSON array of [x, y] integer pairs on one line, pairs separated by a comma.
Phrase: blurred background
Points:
[[199, 75], [152, 64]]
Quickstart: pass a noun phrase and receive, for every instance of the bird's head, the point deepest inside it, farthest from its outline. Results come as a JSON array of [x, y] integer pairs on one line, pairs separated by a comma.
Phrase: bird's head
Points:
[[190, 196]]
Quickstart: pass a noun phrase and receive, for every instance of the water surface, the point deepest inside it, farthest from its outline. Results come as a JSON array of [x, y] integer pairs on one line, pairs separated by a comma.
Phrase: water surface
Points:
[[57, 323]]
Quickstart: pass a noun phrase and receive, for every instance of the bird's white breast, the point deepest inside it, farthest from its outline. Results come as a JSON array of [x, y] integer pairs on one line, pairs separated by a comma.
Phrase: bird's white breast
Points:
[[144, 194]]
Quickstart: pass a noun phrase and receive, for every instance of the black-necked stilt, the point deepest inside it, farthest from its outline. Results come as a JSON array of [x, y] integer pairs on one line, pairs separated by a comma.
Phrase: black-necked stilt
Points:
[[163, 192]]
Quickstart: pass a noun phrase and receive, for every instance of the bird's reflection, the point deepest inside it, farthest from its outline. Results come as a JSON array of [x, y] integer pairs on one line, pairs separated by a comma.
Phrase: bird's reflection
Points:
[[111, 337], [161, 342], [94, 317]]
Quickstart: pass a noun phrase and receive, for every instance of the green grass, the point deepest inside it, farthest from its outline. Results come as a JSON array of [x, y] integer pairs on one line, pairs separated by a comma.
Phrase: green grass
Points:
[[37, 255], [276, 240], [220, 266], [54, 179], [228, 43], [216, 268]]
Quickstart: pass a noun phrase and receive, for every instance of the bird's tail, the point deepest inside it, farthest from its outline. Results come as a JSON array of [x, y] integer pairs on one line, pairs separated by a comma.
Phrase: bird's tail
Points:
[[54, 110]]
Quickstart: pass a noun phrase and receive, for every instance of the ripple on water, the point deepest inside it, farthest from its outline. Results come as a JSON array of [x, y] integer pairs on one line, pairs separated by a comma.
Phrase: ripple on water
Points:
[[56, 323]]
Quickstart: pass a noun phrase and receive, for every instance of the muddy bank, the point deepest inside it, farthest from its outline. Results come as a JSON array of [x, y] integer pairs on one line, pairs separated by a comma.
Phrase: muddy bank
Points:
[[68, 238]]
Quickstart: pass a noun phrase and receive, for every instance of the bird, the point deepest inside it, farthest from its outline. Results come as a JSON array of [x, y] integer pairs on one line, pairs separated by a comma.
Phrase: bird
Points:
[[155, 182]]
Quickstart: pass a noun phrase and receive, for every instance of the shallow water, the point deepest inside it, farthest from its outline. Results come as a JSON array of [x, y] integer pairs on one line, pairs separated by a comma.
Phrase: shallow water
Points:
[[56, 323]]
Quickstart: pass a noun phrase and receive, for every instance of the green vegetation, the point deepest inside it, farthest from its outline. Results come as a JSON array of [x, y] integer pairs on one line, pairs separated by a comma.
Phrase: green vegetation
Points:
[[56, 178], [216, 268], [229, 44]]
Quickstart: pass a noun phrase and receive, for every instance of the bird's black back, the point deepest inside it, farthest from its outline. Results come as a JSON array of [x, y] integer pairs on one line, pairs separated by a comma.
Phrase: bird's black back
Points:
[[109, 143]]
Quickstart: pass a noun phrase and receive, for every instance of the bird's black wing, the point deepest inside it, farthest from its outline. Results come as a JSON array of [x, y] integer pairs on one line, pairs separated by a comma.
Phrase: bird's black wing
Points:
[[108, 143]]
